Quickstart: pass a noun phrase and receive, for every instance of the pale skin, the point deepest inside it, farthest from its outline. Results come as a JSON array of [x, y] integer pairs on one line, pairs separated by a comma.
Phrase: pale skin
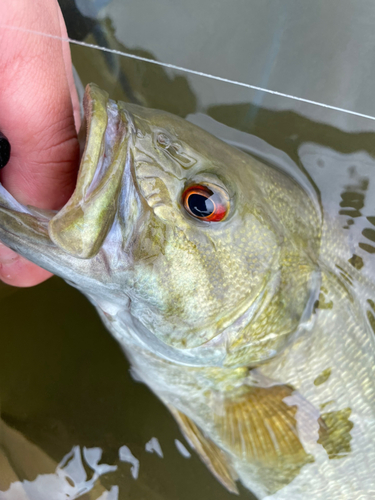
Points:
[[39, 114]]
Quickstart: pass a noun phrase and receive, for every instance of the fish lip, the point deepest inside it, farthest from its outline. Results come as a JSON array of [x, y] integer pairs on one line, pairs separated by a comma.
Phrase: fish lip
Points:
[[27, 234], [24, 229], [18, 219], [83, 224], [24, 222]]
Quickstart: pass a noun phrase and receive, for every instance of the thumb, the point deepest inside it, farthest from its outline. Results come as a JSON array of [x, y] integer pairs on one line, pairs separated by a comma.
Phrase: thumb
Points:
[[37, 105]]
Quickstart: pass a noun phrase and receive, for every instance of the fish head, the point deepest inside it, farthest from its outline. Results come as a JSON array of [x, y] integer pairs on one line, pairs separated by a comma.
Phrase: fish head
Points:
[[210, 251]]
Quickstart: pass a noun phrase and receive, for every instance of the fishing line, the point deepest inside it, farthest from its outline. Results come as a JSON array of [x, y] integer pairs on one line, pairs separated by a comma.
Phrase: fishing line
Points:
[[192, 72]]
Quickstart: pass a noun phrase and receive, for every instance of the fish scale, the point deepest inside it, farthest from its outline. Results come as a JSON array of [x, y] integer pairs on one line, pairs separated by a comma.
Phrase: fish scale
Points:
[[254, 330]]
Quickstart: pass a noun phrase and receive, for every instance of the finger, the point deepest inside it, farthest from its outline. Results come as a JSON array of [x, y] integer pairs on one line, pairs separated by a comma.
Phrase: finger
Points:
[[17, 271], [36, 115], [36, 108]]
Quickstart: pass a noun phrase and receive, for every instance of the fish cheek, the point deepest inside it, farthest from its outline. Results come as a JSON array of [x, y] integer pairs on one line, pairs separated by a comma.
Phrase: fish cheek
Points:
[[172, 285], [196, 280], [150, 245]]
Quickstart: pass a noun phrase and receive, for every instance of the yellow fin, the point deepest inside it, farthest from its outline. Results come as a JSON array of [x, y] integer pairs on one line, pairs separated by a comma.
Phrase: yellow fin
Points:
[[214, 458], [260, 429]]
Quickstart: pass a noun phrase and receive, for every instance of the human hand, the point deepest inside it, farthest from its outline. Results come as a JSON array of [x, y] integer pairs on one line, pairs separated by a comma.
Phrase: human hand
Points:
[[39, 114]]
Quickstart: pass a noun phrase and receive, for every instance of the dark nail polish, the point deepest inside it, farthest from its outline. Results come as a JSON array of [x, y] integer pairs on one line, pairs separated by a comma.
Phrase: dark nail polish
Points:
[[4, 150]]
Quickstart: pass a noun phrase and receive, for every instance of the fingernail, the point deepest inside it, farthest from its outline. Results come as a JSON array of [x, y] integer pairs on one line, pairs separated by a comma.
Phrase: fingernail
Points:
[[4, 150]]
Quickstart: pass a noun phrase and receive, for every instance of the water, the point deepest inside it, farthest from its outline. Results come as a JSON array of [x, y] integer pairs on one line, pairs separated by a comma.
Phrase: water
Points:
[[64, 382]]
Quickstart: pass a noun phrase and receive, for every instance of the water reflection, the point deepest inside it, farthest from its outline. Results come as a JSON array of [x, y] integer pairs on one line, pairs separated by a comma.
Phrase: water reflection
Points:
[[64, 382], [130, 80], [76, 476]]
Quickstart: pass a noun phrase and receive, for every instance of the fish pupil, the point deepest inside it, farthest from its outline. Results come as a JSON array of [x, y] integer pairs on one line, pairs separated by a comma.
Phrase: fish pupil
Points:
[[200, 205]]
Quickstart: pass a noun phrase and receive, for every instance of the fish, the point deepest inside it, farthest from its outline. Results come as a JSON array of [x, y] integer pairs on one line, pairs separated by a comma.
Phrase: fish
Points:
[[231, 292]]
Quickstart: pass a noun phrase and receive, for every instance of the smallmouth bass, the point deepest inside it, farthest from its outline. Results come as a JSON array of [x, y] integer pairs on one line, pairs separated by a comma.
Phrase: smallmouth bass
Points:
[[230, 294]]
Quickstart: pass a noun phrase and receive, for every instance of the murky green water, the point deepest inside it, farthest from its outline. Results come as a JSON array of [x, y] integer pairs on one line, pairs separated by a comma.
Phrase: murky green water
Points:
[[64, 381]]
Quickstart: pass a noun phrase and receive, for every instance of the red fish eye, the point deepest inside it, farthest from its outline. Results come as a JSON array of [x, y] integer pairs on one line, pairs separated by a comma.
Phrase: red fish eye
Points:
[[204, 203]]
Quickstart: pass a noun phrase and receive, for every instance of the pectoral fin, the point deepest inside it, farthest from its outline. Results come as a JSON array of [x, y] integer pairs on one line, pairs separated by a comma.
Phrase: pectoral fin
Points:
[[214, 458], [260, 429], [260, 426], [255, 435]]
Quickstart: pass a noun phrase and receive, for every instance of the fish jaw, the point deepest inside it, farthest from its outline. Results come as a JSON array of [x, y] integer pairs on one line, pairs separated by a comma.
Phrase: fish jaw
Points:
[[25, 230], [27, 234], [82, 225], [19, 224], [70, 243]]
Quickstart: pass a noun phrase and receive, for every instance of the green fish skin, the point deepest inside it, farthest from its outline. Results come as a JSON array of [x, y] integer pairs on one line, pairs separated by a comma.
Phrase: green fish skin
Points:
[[253, 329]]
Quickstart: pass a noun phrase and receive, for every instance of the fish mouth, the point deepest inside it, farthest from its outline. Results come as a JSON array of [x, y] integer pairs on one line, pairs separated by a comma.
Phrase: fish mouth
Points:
[[82, 225], [79, 229]]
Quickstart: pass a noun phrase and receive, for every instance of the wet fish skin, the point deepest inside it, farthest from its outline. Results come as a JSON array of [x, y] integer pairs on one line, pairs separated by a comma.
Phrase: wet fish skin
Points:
[[220, 320]]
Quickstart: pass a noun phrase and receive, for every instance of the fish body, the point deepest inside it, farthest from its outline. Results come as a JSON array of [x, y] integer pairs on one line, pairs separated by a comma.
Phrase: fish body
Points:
[[230, 293]]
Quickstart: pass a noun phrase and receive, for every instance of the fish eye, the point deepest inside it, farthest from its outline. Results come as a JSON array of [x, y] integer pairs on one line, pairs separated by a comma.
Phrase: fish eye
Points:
[[206, 203]]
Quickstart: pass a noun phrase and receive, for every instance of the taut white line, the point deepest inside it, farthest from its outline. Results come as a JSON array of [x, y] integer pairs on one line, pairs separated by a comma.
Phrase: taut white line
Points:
[[193, 72]]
